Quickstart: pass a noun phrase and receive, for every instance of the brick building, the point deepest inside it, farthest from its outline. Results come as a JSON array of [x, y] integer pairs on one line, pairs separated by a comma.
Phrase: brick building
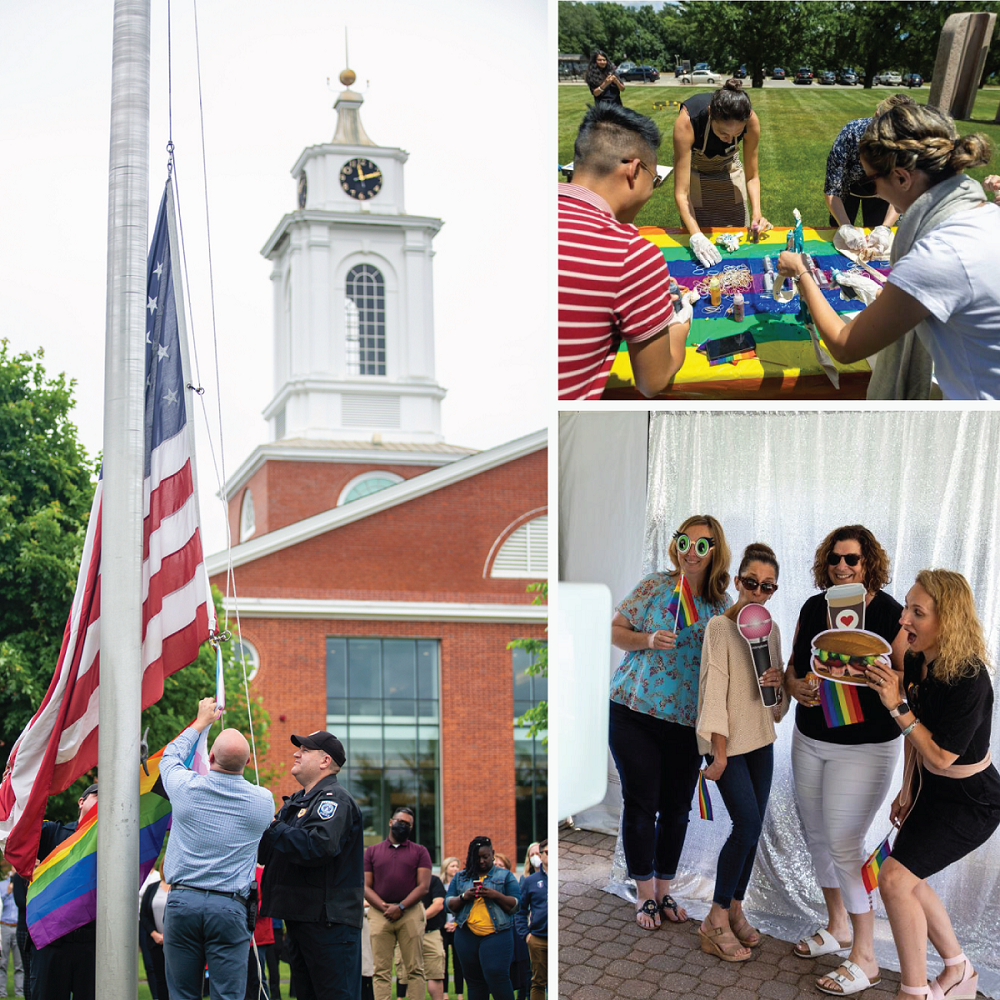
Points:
[[380, 572]]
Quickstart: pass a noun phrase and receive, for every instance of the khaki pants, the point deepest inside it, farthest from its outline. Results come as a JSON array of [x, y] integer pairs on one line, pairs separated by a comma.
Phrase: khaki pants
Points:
[[538, 951], [433, 959], [408, 933]]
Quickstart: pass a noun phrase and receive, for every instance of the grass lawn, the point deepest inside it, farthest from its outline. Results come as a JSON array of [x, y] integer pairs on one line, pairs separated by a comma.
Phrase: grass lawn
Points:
[[798, 128]]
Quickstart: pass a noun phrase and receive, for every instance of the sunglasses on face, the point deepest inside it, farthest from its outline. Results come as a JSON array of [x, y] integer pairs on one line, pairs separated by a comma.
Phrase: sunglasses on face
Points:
[[851, 558], [753, 585], [701, 546]]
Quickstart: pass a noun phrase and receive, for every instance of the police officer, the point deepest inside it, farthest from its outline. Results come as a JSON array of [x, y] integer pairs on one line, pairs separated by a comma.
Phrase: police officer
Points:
[[313, 858]]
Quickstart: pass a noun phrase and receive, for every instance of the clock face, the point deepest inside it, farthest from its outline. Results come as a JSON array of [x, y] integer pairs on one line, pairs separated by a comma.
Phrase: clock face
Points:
[[303, 189], [361, 179]]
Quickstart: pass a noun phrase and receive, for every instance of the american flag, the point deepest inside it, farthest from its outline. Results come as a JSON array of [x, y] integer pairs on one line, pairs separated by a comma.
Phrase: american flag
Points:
[[59, 744]]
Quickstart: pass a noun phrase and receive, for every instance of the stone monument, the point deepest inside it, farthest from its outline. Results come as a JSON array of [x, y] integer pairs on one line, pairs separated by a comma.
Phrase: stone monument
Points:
[[961, 56]]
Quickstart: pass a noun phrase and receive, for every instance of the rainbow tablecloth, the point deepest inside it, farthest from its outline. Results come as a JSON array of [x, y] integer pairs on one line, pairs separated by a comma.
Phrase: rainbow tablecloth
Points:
[[786, 364]]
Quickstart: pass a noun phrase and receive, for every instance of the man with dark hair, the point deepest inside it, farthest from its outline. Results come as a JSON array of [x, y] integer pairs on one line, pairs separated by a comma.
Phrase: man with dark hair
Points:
[[397, 877], [532, 920], [313, 858], [613, 283]]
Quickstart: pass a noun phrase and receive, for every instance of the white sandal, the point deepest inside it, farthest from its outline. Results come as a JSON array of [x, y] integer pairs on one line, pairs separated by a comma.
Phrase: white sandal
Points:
[[848, 987], [830, 945]]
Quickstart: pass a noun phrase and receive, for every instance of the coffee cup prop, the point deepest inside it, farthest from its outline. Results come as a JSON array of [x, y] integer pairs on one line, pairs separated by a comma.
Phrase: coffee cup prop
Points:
[[754, 623], [845, 606], [843, 655]]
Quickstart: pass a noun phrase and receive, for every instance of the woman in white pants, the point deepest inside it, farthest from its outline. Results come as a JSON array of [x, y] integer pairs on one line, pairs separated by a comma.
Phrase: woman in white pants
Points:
[[842, 774]]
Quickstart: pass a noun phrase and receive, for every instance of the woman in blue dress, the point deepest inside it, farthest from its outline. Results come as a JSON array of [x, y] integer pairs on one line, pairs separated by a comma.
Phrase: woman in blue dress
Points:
[[654, 709]]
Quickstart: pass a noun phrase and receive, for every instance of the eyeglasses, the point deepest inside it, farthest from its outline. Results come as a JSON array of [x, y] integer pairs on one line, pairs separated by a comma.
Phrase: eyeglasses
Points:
[[701, 546], [753, 585], [851, 558], [657, 179]]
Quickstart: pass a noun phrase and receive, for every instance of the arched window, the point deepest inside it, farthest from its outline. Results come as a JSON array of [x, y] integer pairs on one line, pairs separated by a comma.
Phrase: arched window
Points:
[[246, 654], [247, 524], [526, 552], [366, 484], [364, 318]]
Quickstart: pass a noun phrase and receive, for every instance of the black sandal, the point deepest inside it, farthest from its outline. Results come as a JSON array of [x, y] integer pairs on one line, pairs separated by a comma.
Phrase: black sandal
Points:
[[669, 903], [651, 910]]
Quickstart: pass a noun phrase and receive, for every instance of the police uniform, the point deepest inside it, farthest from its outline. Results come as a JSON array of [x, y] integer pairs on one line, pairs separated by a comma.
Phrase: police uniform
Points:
[[313, 857]]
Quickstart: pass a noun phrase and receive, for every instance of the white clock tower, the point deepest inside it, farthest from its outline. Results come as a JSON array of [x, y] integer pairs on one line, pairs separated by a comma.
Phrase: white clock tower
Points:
[[353, 309]]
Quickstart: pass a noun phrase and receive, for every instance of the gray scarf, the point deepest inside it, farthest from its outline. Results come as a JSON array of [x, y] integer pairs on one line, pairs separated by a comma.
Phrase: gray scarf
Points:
[[903, 369]]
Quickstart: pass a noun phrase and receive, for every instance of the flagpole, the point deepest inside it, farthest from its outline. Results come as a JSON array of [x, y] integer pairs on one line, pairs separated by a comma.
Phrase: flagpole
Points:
[[121, 557], [680, 597]]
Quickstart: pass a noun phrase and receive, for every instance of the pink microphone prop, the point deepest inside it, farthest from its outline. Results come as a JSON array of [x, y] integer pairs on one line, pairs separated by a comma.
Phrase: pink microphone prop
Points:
[[754, 623]]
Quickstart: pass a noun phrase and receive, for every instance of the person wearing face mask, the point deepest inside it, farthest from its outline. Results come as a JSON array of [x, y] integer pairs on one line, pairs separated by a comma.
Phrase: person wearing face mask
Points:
[[397, 877], [711, 186], [654, 708], [532, 917], [841, 774], [950, 800], [736, 730]]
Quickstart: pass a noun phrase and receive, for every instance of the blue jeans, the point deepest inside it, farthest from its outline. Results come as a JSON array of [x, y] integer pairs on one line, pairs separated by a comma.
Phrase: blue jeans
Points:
[[325, 960], [199, 928], [486, 962], [744, 786]]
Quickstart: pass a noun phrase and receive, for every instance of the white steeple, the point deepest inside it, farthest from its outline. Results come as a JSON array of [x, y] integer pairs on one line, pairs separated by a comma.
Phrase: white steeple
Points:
[[353, 305]]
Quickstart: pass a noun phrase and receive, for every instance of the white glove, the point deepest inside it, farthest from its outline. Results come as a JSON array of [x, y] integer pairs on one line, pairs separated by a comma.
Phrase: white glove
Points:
[[702, 248], [684, 308], [879, 241], [854, 238]]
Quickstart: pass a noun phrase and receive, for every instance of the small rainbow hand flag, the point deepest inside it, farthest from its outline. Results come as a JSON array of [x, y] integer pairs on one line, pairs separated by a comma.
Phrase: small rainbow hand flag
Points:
[[870, 869], [704, 802], [682, 605], [841, 705]]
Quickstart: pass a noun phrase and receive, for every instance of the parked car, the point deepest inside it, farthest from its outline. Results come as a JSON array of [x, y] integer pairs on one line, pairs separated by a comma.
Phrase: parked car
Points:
[[828, 76], [804, 75], [645, 73], [625, 67], [741, 73], [778, 73], [702, 77], [847, 76], [887, 78], [913, 80]]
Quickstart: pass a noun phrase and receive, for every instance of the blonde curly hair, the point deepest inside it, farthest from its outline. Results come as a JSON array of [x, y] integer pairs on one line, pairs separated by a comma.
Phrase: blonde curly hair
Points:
[[716, 580], [961, 645], [915, 137]]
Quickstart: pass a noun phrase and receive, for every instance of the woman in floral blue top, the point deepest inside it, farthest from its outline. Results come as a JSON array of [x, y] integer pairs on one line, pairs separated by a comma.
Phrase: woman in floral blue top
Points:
[[654, 708]]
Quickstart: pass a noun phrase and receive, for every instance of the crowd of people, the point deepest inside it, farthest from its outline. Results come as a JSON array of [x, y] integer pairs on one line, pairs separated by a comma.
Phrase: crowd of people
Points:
[[238, 888], [687, 690], [935, 326]]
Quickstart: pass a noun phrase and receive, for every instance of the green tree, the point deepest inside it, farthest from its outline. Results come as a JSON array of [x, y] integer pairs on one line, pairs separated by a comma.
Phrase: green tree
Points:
[[536, 718]]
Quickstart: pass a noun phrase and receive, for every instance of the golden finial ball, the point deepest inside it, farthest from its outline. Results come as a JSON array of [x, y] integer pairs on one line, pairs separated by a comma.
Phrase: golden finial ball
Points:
[[347, 77]]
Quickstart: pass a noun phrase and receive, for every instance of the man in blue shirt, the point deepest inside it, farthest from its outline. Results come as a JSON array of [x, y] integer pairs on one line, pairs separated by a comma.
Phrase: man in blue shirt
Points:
[[211, 857], [533, 916]]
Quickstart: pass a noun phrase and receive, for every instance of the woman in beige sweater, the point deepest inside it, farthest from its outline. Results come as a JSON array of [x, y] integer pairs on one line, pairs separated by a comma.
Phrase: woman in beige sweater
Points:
[[735, 731]]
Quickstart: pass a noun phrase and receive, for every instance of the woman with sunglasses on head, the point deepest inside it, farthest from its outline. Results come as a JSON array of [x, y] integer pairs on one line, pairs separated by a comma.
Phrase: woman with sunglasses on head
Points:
[[941, 303], [842, 774], [602, 78], [654, 708], [736, 730], [950, 801]]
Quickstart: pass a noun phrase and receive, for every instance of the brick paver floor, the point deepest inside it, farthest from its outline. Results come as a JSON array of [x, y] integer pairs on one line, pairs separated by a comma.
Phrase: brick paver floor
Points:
[[604, 954]]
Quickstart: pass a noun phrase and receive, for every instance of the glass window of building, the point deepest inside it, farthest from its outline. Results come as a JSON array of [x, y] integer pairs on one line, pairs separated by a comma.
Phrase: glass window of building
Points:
[[367, 484], [248, 524], [364, 318], [382, 700], [247, 658], [531, 764]]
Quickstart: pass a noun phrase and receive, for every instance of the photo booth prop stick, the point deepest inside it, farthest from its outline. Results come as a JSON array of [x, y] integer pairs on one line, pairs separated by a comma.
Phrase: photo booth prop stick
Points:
[[754, 623], [870, 869], [840, 702], [682, 605], [704, 801], [845, 606]]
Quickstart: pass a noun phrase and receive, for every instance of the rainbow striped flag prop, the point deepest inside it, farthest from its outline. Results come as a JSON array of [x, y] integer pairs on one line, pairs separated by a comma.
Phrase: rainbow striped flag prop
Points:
[[841, 705], [704, 802], [870, 869], [63, 892], [682, 605]]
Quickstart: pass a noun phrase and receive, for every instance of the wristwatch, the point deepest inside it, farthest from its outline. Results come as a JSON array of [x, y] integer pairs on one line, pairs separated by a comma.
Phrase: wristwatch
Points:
[[401, 907], [901, 709]]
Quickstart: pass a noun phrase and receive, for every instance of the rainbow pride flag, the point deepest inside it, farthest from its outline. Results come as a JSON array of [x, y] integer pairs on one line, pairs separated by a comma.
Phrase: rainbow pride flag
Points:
[[704, 802], [841, 705], [870, 869], [682, 605], [63, 892]]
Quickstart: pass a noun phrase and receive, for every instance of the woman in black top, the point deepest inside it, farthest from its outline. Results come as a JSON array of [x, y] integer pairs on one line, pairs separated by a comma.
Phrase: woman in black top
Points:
[[842, 774], [711, 185], [602, 78], [946, 716]]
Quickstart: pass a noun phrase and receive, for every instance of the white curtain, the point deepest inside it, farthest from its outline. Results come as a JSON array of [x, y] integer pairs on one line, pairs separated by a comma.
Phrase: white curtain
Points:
[[927, 485]]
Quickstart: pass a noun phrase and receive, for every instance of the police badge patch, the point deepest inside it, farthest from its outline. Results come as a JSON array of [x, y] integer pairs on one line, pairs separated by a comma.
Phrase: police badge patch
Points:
[[302, 813], [326, 809]]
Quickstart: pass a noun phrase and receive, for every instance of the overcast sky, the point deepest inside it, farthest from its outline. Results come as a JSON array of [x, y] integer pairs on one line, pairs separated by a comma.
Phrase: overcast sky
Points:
[[461, 86]]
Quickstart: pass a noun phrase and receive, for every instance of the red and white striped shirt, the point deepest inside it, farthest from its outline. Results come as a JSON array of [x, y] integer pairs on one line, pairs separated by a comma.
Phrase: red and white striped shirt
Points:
[[611, 280]]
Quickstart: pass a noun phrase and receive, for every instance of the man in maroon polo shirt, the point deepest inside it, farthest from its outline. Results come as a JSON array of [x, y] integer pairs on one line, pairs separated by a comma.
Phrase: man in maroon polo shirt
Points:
[[397, 877]]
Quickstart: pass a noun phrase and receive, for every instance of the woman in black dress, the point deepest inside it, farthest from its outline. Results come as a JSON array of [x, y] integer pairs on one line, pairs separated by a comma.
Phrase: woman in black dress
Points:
[[950, 800], [602, 78]]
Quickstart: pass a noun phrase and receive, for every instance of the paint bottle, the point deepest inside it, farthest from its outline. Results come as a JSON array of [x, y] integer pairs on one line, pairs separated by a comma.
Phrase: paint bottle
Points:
[[768, 267], [715, 291], [738, 313], [675, 289], [821, 278]]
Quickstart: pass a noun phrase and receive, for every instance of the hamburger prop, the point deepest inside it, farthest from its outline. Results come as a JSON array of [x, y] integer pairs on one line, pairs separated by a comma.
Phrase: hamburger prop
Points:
[[840, 658], [754, 624]]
